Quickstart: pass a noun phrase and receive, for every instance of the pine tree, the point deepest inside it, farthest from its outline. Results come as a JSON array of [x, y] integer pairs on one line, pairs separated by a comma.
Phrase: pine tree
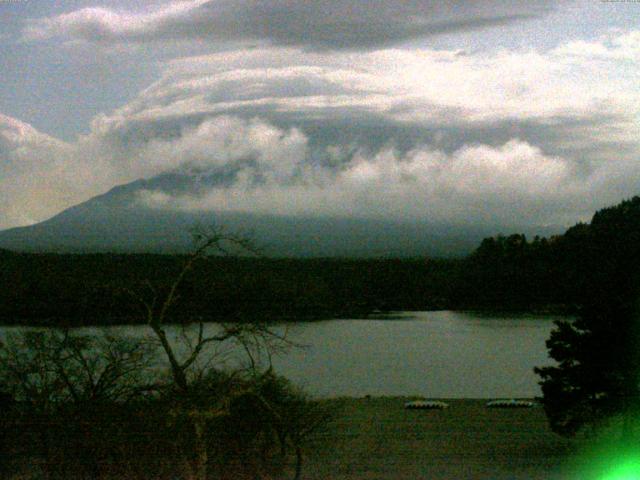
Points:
[[597, 376]]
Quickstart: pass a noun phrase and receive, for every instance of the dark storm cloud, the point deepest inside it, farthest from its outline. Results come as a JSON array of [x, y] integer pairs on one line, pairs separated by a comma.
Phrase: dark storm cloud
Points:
[[320, 24]]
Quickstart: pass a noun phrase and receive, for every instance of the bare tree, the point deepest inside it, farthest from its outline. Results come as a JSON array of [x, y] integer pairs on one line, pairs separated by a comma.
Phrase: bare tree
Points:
[[60, 378], [49, 368], [297, 418], [254, 338]]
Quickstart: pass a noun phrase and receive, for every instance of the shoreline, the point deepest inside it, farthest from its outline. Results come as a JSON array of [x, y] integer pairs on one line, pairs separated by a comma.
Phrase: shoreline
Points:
[[391, 316]]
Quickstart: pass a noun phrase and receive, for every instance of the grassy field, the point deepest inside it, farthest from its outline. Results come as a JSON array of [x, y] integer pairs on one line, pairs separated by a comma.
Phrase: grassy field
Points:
[[377, 438]]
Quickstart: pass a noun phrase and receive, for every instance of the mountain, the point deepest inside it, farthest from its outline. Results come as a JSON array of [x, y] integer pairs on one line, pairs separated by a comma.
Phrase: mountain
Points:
[[117, 222]]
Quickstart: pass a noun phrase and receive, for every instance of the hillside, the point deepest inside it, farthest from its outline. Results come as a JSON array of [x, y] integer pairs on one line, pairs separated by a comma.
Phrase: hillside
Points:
[[118, 222]]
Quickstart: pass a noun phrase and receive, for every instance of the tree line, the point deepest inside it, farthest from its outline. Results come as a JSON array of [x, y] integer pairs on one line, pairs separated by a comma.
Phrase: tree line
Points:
[[503, 273], [94, 289]]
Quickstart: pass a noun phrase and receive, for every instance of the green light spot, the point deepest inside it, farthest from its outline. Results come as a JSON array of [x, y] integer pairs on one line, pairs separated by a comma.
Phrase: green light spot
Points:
[[628, 470]]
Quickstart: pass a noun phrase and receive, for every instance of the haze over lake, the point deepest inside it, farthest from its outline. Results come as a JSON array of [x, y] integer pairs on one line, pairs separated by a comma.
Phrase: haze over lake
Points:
[[435, 354]]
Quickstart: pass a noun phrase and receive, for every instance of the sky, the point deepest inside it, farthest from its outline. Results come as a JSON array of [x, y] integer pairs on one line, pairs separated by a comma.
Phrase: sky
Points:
[[464, 112]]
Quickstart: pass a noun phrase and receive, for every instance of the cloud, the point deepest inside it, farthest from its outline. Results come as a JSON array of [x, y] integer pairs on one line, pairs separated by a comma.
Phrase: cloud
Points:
[[348, 24], [97, 24], [614, 47], [411, 89], [475, 184], [42, 176], [36, 181], [496, 137], [271, 170], [223, 143]]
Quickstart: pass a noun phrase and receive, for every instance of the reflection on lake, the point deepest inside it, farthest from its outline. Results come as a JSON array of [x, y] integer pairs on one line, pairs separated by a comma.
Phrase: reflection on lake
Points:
[[435, 354]]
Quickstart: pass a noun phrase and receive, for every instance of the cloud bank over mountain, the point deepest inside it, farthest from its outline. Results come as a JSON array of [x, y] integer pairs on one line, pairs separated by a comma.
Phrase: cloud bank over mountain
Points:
[[335, 124]]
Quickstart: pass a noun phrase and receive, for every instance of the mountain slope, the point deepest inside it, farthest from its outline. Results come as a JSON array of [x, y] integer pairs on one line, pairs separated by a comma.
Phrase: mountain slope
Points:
[[116, 222]]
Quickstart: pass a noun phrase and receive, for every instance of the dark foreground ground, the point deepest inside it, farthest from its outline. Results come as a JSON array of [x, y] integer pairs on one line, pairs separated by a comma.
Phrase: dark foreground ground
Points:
[[377, 438]]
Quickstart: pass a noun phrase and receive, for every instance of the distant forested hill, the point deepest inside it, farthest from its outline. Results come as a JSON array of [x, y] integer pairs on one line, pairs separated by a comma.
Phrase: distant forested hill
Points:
[[512, 272], [97, 288], [503, 273]]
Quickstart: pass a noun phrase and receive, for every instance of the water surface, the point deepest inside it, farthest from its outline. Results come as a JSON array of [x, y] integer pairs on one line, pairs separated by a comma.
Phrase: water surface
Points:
[[434, 354]]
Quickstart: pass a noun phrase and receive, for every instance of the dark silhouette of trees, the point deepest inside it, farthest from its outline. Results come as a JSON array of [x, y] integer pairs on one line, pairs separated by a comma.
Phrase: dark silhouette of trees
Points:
[[597, 377], [294, 417], [92, 407], [69, 392], [6, 406], [597, 373], [94, 289]]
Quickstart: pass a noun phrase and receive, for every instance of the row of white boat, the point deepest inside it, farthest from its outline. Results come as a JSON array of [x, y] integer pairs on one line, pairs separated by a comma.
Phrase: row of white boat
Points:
[[438, 405]]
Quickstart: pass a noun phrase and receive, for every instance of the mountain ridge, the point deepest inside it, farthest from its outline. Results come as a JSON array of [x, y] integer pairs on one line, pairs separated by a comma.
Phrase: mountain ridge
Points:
[[116, 221]]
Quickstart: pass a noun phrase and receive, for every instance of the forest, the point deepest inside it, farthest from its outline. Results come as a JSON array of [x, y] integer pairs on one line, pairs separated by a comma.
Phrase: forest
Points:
[[504, 273]]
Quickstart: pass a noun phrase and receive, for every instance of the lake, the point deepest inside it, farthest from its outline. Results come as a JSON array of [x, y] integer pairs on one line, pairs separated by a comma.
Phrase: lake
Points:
[[434, 354]]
